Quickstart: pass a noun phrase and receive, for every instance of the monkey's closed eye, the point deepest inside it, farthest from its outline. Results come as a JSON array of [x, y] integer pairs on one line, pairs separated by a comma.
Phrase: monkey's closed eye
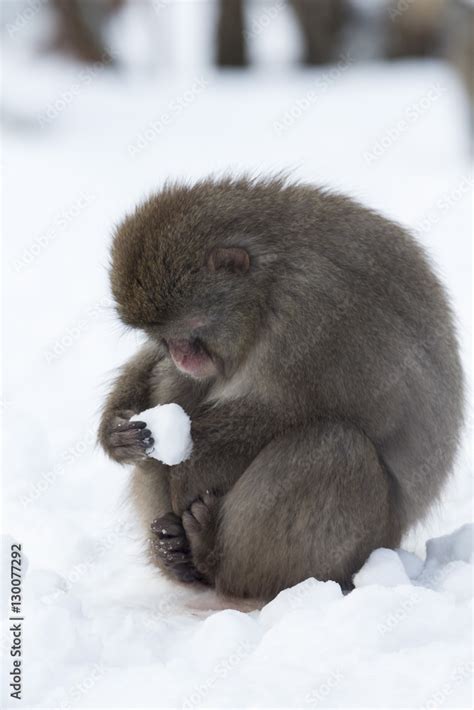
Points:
[[233, 259]]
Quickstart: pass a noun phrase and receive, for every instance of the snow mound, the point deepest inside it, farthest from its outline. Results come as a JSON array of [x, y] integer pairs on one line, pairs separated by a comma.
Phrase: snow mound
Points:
[[459, 545], [391, 642], [170, 427], [383, 567]]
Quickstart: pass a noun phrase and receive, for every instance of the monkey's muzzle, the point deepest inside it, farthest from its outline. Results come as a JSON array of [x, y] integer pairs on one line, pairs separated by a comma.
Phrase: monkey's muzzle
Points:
[[191, 357]]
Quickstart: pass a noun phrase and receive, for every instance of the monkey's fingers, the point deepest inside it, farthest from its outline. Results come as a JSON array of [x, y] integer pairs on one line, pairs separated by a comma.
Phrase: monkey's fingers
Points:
[[131, 437], [127, 426]]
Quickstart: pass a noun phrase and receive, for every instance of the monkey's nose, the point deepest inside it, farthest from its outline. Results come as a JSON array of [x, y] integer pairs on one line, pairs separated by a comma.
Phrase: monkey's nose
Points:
[[185, 329]]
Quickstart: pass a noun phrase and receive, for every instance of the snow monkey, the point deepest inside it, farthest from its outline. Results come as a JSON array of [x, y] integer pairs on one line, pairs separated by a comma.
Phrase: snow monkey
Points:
[[313, 347]]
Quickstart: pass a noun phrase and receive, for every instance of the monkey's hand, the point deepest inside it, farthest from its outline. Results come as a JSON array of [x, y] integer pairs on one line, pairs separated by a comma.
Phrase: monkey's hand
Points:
[[125, 441]]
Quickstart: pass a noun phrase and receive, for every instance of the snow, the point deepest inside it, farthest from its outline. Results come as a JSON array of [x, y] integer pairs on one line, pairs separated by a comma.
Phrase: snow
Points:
[[102, 628], [170, 428], [383, 567]]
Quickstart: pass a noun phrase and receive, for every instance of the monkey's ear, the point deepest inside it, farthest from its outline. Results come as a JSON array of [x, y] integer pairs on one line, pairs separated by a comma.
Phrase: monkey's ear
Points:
[[233, 259]]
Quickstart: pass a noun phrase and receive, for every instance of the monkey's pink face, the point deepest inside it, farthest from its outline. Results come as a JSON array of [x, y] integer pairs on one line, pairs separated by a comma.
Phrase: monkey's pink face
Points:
[[191, 358]]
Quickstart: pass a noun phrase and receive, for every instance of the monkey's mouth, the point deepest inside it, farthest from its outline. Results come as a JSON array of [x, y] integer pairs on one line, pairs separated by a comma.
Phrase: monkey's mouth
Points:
[[191, 357]]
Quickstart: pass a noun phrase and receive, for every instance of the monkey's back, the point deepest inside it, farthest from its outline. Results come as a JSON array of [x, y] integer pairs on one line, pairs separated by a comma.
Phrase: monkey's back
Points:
[[369, 338]]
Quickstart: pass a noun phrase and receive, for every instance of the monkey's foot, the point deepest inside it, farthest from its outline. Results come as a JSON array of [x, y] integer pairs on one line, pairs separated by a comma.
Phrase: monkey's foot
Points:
[[171, 549], [200, 524]]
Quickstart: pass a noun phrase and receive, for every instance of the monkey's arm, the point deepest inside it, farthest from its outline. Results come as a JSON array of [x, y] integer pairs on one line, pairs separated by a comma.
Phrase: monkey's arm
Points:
[[122, 440]]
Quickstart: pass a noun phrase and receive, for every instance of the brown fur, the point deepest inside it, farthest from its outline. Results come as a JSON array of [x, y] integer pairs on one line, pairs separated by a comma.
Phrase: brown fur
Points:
[[331, 420], [416, 30]]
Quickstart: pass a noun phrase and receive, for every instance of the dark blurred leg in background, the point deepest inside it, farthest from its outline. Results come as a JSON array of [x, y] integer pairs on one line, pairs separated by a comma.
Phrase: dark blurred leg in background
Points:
[[415, 29], [321, 23], [461, 49], [434, 28], [80, 28], [231, 50]]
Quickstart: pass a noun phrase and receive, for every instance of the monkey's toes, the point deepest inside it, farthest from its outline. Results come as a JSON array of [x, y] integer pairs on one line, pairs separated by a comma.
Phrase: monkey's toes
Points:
[[172, 550], [200, 523], [168, 526], [200, 515]]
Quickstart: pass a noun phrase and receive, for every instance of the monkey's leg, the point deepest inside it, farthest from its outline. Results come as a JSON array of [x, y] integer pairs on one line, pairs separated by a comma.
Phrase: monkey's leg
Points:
[[80, 28], [231, 50], [321, 22], [168, 546], [313, 503]]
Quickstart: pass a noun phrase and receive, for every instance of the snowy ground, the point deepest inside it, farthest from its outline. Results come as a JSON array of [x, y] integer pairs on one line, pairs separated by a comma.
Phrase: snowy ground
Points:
[[101, 629]]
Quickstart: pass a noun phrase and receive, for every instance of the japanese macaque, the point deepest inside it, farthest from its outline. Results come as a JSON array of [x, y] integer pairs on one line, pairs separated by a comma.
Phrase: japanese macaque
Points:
[[313, 347]]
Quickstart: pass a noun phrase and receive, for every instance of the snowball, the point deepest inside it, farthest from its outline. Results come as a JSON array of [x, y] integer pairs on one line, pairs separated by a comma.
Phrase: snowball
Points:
[[170, 427], [383, 567]]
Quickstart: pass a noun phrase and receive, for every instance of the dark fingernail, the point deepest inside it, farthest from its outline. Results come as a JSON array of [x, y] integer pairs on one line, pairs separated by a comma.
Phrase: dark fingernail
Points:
[[137, 425], [144, 434], [128, 426]]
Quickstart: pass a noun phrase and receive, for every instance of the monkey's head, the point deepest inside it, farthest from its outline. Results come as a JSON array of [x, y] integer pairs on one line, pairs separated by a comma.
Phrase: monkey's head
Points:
[[186, 271]]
